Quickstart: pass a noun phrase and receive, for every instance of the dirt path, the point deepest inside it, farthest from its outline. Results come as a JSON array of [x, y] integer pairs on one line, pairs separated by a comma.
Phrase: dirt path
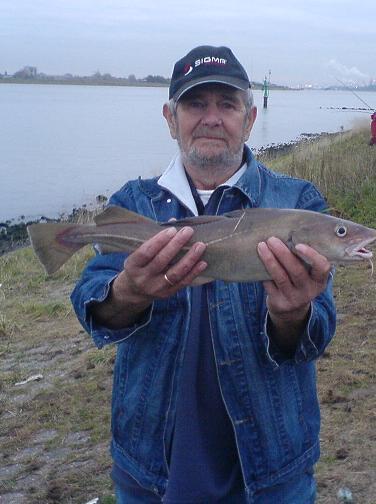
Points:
[[55, 430]]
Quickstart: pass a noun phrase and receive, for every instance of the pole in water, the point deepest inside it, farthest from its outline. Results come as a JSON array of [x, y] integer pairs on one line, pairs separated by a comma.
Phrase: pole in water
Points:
[[265, 88]]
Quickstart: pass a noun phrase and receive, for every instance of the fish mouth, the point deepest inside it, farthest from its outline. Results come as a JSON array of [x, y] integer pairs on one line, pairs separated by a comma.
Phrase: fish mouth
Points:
[[359, 250]]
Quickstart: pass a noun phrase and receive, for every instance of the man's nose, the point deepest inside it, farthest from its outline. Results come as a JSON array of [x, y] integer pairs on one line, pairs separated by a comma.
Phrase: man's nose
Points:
[[212, 116]]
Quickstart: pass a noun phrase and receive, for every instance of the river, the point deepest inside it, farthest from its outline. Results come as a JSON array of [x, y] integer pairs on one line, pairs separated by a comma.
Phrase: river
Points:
[[61, 146]]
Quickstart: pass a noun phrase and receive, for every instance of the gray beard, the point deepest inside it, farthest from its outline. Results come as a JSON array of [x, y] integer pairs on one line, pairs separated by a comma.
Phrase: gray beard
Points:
[[225, 159]]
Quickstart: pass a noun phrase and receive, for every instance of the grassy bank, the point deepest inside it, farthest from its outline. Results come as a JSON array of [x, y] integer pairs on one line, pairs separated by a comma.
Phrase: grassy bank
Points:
[[343, 167], [55, 430]]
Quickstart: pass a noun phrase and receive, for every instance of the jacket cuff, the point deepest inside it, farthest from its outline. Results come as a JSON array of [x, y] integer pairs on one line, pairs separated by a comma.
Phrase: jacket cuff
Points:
[[103, 335], [306, 349]]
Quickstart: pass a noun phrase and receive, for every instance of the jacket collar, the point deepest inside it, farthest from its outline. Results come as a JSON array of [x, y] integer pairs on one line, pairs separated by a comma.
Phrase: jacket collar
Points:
[[174, 180], [250, 183]]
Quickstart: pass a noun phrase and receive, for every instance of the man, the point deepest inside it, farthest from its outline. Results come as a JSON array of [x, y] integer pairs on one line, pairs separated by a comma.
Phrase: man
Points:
[[214, 394]]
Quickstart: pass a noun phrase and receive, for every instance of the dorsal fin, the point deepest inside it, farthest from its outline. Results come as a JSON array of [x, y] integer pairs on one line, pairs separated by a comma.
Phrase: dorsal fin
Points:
[[116, 215]]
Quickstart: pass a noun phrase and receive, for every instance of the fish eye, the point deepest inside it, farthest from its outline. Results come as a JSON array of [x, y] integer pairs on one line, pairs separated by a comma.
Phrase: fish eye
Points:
[[341, 231]]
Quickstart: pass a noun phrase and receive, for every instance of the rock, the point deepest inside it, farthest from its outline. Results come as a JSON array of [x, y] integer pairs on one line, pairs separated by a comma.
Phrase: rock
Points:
[[342, 453], [332, 398], [36, 377], [345, 495]]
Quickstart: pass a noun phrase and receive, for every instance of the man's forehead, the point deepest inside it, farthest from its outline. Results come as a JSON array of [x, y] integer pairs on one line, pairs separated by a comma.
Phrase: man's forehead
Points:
[[212, 88]]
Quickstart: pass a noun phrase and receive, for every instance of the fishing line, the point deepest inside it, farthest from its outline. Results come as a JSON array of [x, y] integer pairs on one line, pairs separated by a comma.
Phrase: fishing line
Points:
[[353, 92], [341, 109]]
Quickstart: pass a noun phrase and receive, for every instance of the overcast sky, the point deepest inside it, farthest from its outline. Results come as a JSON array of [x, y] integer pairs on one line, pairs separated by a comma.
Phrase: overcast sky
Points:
[[299, 41]]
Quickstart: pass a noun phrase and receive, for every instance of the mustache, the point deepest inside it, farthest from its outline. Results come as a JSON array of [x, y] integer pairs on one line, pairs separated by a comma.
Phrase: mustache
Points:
[[206, 132]]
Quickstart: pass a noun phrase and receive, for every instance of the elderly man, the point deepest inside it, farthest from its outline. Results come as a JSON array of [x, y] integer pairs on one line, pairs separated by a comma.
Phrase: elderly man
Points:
[[214, 396]]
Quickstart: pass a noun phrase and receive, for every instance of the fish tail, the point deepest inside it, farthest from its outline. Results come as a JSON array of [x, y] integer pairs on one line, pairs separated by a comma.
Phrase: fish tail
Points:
[[51, 250]]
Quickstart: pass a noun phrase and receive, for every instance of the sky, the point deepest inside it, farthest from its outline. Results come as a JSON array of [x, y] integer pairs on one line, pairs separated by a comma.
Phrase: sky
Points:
[[300, 42]]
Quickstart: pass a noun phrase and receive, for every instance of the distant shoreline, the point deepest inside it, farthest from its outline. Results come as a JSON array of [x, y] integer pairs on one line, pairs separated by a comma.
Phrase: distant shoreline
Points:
[[118, 82], [123, 82], [80, 82]]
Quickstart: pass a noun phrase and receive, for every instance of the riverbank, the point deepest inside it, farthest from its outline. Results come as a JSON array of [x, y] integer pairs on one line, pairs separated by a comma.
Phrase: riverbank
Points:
[[55, 386]]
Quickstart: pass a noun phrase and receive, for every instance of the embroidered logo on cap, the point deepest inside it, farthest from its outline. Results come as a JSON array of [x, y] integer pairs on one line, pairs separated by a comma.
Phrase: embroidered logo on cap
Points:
[[210, 60], [187, 69]]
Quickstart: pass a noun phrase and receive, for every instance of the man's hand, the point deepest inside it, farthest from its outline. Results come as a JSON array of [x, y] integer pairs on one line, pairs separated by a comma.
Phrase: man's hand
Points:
[[292, 287], [150, 273], [144, 276]]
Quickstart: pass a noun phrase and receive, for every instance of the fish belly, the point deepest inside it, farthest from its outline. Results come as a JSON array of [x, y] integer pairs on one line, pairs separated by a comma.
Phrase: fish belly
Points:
[[234, 266]]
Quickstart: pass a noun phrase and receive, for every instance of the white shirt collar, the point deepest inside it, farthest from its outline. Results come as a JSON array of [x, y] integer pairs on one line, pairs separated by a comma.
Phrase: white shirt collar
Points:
[[175, 180]]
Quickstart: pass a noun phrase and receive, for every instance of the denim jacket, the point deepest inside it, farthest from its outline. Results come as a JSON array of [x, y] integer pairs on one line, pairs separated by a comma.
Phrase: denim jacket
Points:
[[270, 398]]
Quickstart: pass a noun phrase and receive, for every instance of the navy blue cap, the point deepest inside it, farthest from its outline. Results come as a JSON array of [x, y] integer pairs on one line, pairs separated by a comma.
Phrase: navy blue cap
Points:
[[207, 64]]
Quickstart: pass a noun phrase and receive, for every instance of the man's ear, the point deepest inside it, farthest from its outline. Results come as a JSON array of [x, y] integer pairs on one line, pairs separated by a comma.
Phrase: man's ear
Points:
[[251, 118], [171, 120]]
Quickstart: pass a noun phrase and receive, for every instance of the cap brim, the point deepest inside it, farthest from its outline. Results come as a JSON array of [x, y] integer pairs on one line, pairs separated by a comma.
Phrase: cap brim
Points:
[[214, 79]]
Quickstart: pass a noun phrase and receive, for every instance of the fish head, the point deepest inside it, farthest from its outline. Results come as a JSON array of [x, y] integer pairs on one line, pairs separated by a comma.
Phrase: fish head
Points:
[[358, 239], [339, 240]]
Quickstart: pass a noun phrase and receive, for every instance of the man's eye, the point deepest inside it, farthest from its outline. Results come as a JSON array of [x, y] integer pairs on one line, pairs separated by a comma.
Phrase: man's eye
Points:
[[196, 104], [228, 105]]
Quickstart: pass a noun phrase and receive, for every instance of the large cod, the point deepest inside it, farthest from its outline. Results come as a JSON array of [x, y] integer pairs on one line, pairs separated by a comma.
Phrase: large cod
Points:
[[231, 238]]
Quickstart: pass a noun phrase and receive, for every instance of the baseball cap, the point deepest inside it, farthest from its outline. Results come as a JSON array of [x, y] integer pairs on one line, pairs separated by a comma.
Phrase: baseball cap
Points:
[[207, 64]]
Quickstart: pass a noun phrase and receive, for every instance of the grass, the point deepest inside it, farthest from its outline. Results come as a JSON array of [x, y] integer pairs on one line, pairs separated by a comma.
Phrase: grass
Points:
[[40, 334], [342, 167], [54, 433], [50, 310]]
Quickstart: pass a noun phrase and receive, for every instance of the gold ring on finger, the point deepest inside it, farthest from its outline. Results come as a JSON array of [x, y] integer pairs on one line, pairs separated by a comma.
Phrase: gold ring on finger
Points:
[[168, 280]]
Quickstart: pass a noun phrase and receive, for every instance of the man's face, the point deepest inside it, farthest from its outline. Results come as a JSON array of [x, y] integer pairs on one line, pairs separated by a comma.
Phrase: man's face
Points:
[[211, 124]]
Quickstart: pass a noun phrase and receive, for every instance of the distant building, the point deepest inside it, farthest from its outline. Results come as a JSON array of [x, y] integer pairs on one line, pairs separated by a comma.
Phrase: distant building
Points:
[[27, 72]]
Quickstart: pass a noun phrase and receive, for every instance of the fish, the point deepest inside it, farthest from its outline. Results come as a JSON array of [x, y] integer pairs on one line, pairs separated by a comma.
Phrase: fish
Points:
[[231, 238]]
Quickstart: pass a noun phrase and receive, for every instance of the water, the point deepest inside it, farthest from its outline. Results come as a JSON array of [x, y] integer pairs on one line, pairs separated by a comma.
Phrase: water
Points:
[[61, 146]]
